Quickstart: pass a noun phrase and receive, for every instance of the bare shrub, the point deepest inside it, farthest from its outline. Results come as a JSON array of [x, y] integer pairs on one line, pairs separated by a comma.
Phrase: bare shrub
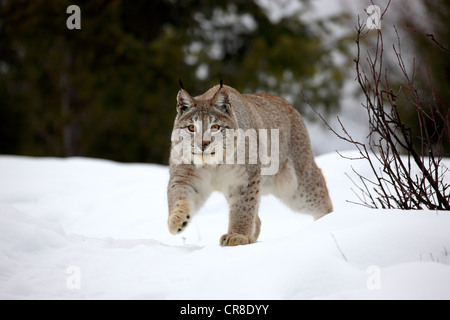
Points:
[[404, 176]]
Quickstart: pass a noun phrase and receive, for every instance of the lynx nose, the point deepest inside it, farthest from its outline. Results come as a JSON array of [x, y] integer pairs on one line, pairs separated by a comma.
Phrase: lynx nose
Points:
[[205, 144]]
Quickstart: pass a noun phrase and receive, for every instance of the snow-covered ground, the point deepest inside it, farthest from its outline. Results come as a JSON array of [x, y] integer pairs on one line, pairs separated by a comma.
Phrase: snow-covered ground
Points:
[[94, 229]]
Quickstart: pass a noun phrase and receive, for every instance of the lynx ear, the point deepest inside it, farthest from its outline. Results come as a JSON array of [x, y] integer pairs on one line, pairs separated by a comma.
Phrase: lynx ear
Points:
[[222, 101], [184, 101]]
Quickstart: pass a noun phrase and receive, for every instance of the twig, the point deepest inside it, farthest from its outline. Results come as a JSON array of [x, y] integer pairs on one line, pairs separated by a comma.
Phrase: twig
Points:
[[429, 35], [339, 248]]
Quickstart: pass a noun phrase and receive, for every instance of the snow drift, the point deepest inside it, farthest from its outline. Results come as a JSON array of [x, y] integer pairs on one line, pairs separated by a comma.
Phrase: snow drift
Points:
[[94, 229]]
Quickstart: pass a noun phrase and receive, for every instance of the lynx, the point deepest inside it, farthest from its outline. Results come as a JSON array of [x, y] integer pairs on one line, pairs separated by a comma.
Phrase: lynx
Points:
[[201, 162]]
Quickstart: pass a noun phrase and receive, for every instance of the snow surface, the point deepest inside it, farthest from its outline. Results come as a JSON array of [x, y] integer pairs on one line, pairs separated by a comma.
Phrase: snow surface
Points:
[[94, 229]]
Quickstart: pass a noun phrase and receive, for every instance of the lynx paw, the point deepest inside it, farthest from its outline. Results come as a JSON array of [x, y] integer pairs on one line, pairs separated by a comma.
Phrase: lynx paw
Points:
[[179, 218], [235, 239]]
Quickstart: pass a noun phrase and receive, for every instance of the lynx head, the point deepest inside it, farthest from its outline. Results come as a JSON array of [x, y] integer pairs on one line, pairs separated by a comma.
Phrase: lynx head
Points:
[[202, 124]]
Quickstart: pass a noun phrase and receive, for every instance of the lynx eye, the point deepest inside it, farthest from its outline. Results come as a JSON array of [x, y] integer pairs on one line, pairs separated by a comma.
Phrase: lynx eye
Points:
[[191, 128], [215, 127]]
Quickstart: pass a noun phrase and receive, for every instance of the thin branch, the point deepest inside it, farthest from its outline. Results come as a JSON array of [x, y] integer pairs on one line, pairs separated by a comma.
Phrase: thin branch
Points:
[[429, 35], [339, 248]]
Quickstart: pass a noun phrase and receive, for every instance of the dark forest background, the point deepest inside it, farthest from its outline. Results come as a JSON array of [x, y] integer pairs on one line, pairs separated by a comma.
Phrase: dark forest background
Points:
[[108, 90]]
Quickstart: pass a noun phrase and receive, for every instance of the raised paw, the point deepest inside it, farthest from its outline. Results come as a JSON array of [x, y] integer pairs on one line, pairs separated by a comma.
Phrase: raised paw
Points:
[[179, 218], [236, 239]]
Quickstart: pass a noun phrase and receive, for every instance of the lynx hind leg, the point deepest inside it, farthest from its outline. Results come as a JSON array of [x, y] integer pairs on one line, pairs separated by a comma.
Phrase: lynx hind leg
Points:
[[316, 200], [304, 192]]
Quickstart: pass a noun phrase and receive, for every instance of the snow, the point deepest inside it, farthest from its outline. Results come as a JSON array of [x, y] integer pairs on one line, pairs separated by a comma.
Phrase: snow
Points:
[[81, 228]]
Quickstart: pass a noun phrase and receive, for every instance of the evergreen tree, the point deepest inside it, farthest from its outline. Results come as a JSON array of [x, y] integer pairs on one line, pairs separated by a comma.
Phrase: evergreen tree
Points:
[[108, 90], [431, 52]]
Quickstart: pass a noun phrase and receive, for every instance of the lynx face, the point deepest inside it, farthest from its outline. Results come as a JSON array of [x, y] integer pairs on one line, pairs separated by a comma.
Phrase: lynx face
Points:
[[203, 125]]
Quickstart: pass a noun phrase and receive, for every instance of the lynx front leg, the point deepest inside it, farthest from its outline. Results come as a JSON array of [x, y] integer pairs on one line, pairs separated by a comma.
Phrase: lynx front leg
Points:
[[244, 225], [184, 197], [179, 217]]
